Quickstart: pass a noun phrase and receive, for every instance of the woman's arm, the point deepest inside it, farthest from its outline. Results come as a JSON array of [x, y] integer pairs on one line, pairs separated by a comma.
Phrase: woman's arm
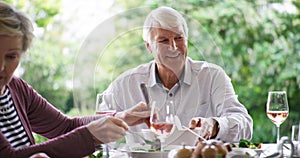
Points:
[[66, 145]]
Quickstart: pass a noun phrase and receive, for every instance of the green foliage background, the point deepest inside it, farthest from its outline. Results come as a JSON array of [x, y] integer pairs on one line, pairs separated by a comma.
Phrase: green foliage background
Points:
[[257, 45]]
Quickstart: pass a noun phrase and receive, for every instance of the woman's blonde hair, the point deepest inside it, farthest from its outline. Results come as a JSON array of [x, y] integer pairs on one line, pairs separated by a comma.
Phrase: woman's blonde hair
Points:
[[15, 23]]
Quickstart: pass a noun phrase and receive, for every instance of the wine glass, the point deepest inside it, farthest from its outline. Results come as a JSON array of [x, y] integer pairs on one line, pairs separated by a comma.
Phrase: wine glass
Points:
[[105, 99], [162, 121], [296, 139], [277, 109]]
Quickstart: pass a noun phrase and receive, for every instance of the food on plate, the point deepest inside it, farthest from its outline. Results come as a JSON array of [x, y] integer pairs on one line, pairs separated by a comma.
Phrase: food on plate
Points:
[[211, 149], [248, 144], [147, 149], [184, 153], [98, 155]]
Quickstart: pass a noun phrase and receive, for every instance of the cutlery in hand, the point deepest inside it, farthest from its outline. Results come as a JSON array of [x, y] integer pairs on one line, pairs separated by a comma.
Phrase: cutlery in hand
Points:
[[145, 93]]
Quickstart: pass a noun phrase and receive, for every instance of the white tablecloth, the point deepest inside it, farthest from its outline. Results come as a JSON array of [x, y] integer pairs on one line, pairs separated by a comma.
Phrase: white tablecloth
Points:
[[269, 149]]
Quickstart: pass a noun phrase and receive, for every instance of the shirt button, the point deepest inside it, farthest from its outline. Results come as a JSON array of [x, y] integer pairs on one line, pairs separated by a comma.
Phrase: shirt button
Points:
[[170, 95]]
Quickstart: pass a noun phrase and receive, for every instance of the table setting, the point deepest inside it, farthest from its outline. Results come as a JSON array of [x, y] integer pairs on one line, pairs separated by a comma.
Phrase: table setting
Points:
[[183, 138], [168, 138], [230, 150]]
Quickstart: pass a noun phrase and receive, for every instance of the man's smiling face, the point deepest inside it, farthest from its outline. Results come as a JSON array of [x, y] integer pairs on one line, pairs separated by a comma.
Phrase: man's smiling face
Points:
[[169, 48]]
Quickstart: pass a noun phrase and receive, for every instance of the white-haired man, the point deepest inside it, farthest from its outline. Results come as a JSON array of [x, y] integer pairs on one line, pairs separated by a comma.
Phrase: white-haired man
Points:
[[202, 93]]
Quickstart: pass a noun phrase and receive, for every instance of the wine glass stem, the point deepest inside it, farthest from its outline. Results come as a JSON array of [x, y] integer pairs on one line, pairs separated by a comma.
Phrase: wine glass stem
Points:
[[162, 140], [278, 134]]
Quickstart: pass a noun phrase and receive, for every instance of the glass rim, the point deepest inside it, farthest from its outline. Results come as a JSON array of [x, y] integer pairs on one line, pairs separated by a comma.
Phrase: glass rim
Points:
[[277, 92]]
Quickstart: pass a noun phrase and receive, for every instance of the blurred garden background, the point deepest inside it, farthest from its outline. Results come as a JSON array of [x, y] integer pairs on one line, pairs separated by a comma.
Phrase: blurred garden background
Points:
[[257, 42]]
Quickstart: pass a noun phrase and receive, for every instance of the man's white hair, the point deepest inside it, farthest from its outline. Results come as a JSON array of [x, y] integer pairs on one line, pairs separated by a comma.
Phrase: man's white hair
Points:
[[166, 18]]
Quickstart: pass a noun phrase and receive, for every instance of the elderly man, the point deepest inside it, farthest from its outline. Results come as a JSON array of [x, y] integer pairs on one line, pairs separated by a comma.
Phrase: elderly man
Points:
[[202, 93]]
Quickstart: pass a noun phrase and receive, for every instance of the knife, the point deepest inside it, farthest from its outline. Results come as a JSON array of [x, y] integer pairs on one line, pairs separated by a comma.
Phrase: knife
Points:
[[145, 93], [196, 134]]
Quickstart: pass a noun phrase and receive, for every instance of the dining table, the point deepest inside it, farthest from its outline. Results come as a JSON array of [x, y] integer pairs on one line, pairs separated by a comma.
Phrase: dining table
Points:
[[271, 150], [267, 150]]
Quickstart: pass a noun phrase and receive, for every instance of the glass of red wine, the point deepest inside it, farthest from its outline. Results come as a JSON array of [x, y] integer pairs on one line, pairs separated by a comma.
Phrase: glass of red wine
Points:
[[277, 109], [162, 120]]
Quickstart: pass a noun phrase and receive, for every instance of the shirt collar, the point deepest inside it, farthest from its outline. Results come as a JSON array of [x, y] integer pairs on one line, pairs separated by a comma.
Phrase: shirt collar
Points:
[[185, 78], [152, 79]]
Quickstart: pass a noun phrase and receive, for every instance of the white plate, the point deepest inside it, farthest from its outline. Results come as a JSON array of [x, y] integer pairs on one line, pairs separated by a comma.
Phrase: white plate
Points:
[[143, 152], [259, 151], [242, 153], [235, 153]]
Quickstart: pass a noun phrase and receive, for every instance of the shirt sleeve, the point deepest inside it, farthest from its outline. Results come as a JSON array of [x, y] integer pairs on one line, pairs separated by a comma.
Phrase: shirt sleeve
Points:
[[68, 137], [76, 144], [47, 120], [234, 121]]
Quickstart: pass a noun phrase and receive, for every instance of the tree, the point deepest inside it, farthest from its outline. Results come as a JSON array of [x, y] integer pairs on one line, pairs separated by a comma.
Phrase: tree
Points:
[[47, 63]]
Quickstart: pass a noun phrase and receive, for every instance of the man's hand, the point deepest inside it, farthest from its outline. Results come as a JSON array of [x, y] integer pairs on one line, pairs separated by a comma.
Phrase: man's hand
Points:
[[208, 126], [138, 114], [107, 129]]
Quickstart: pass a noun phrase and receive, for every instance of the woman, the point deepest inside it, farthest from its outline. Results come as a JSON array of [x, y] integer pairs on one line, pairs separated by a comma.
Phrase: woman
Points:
[[23, 110]]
